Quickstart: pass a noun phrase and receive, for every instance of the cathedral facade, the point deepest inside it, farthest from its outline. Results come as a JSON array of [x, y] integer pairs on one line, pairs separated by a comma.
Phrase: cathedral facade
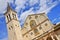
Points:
[[39, 27], [36, 27]]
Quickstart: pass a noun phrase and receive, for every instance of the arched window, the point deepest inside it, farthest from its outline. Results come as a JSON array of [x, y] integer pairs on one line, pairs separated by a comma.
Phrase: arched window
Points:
[[32, 23], [11, 27], [8, 17], [49, 38], [55, 37], [14, 16], [36, 31], [36, 17]]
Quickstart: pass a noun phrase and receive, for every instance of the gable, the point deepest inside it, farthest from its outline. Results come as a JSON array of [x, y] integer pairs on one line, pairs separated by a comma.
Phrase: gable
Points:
[[38, 18]]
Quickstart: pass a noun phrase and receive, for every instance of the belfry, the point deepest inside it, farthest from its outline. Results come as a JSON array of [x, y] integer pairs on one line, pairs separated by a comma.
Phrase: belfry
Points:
[[13, 25]]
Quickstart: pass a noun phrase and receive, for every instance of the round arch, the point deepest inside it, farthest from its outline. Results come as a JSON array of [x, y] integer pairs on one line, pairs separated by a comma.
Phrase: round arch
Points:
[[32, 23], [49, 38]]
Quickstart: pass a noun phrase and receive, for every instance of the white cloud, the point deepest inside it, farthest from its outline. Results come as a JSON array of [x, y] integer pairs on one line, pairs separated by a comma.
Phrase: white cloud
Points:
[[25, 14], [46, 10], [32, 2], [43, 8], [20, 4], [3, 5]]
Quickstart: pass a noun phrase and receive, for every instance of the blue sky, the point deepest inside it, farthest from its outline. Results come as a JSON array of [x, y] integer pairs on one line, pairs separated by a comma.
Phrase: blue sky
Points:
[[27, 7]]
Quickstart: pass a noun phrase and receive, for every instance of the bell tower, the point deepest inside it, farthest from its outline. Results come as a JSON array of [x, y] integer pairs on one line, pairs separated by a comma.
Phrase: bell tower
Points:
[[13, 25]]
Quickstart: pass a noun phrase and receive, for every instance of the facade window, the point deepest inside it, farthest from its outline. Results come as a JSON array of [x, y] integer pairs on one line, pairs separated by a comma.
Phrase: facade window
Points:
[[32, 23], [40, 27], [36, 31], [30, 17], [26, 36], [55, 37], [49, 38], [31, 33], [36, 17], [46, 24], [26, 23]]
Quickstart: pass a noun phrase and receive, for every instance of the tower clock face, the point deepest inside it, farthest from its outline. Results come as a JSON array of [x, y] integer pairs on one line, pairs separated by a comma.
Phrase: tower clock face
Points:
[[32, 23]]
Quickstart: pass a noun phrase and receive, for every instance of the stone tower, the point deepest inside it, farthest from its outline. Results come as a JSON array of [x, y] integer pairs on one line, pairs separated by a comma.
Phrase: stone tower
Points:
[[13, 25]]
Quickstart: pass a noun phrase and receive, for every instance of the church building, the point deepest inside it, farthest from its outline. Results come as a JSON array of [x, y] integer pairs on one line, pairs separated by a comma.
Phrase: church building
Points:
[[13, 25], [36, 27]]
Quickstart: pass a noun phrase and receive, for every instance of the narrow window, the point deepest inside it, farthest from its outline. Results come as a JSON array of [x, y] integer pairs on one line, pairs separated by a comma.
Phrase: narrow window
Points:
[[49, 38], [9, 16], [11, 27], [14, 16], [26, 35], [55, 37]]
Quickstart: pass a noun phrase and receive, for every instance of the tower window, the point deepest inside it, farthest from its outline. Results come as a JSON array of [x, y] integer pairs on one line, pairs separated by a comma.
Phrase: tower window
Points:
[[11, 27], [17, 25], [9, 16], [26, 35], [14, 16]]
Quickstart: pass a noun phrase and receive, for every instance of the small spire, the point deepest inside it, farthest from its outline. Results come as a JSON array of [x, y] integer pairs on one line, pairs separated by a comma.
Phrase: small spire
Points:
[[8, 6]]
